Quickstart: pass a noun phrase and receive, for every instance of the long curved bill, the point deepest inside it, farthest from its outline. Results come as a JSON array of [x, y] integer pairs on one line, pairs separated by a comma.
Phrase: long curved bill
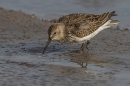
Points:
[[48, 42]]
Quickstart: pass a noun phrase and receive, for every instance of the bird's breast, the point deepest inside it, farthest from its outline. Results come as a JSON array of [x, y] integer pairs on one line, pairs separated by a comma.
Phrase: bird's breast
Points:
[[71, 40]]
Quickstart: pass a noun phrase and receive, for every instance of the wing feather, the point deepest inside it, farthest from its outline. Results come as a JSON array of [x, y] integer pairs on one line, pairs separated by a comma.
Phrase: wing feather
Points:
[[84, 24]]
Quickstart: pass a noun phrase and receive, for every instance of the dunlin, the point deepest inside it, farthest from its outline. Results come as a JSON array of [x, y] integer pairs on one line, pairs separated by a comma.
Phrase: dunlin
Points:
[[79, 28]]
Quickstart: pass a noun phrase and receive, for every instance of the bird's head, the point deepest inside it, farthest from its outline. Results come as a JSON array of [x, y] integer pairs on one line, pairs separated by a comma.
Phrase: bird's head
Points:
[[55, 32]]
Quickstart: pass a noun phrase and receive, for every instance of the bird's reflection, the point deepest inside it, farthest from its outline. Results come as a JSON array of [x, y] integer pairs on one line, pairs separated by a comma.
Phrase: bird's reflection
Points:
[[81, 59], [82, 64]]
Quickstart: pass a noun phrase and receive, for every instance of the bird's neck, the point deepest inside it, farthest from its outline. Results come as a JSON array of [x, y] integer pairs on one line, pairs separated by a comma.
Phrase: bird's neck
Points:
[[62, 33]]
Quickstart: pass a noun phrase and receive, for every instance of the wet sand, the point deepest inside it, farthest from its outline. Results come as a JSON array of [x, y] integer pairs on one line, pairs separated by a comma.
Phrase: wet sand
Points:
[[22, 38]]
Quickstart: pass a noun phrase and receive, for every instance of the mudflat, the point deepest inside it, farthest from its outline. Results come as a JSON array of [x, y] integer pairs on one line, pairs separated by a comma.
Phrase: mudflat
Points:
[[23, 37]]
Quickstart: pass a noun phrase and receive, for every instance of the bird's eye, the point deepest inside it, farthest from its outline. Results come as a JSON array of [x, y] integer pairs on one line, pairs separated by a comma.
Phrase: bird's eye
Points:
[[54, 33]]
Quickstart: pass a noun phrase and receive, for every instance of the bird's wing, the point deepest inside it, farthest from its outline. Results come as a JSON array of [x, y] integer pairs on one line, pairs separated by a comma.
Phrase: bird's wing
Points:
[[75, 19], [84, 24]]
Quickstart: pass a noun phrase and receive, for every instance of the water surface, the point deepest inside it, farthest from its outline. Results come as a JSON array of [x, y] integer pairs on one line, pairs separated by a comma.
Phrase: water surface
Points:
[[48, 9]]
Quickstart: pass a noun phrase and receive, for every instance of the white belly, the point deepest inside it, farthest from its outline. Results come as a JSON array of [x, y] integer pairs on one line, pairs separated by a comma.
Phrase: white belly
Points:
[[86, 38]]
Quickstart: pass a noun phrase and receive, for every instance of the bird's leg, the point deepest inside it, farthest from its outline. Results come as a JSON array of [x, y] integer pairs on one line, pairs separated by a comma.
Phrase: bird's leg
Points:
[[87, 44], [81, 48]]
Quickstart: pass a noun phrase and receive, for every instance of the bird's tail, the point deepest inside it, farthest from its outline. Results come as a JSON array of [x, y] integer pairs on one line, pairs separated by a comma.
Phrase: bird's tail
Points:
[[113, 23]]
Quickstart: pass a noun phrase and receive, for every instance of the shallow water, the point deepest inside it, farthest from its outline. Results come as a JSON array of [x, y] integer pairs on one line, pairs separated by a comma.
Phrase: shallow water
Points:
[[49, 9], [22, 63]]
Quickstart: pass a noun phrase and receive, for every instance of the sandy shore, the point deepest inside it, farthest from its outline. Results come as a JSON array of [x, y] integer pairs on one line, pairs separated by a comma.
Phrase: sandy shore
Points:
[[22, 38]]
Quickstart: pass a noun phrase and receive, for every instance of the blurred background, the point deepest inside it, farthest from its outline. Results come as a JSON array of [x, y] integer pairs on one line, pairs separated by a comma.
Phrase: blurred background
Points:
[[50, 9]]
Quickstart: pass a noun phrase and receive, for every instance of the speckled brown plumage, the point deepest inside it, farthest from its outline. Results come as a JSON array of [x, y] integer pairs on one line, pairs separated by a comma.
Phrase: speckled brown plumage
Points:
[[73, 22], [79, 28]]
